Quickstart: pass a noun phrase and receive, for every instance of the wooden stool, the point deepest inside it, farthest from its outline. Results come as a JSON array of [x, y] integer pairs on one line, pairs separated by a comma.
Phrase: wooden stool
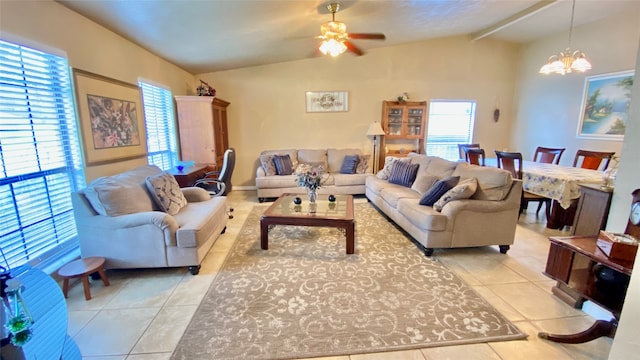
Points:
[[82, 268]]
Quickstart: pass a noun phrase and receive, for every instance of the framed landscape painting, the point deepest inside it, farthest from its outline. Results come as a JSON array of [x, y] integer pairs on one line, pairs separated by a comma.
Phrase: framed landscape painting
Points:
[[605, 106], [111, 120]]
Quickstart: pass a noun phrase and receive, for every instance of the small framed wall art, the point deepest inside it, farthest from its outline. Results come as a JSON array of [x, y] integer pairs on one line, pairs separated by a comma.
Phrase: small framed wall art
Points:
[[111, 120], [327, 101]]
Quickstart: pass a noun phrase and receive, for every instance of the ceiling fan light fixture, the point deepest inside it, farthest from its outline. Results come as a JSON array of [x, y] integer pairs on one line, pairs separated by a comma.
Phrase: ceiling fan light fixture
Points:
[[333, 28], [332, 47]]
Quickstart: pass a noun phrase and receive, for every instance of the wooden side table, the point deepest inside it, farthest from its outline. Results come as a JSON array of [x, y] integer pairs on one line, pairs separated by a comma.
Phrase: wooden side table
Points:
[[582, 272], [82, 268]]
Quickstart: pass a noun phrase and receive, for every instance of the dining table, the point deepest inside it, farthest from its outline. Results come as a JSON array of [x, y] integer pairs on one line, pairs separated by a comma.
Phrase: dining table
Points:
[[556, 182]]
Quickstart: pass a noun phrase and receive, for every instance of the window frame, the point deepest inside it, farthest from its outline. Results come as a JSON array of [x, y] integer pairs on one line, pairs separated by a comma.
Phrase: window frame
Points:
[[450, 145]]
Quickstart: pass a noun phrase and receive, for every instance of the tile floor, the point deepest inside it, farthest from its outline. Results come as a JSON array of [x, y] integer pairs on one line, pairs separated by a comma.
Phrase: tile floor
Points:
[[142, 315]]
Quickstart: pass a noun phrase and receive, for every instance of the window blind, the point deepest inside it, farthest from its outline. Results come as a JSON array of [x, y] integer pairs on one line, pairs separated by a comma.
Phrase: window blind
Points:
[[40, 156], [160, 125], [450, 123]]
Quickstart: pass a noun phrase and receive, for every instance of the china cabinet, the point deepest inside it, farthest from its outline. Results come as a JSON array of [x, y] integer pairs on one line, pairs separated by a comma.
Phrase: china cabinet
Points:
[[202, 124], [404, 127]]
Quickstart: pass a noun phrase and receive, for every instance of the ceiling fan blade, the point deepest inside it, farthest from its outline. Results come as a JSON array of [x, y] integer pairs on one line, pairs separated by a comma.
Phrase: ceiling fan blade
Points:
[[370, 36], [354, 49]]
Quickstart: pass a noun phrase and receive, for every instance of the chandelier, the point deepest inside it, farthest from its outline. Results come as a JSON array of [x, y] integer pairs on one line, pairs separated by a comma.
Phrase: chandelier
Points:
[[567, 61], [334, 33]]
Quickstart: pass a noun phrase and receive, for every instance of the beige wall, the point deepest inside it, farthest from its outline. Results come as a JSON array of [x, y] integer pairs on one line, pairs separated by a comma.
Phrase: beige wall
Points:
[[46, 24], [548, 107], [267, 108]]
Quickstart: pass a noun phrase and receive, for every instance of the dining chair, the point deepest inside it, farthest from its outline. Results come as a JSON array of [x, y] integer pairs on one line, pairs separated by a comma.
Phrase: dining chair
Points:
[[512, 162], [474, 156], [463, 147], [592, 159], [548, 155]]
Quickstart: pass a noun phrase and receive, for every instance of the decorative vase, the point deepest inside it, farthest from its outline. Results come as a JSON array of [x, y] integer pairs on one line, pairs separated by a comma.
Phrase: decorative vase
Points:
[[313, 195]]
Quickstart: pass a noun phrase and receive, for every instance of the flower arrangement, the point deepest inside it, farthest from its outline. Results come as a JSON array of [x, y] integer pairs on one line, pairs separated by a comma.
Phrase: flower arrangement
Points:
[[403, 97], [309, 176], [205, 89]]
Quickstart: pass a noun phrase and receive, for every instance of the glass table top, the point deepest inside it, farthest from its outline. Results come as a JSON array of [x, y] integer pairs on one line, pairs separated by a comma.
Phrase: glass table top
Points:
[[341, 208]]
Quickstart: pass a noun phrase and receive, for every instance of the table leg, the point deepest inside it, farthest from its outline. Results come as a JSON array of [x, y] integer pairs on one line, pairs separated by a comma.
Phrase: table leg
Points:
[[103, 276], [264, 235], [598, 329], [350, 232], [560, 217], [65, 287], [85, 285]]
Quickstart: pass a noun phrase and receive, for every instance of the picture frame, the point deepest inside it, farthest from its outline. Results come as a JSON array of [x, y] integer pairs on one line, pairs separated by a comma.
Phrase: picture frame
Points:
[[110, 117], [327, 101], [605, 106]]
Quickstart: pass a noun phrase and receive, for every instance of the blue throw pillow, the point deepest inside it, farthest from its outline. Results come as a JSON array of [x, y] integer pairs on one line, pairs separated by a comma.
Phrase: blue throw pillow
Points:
[[403, 173], [283, 164], [349, 164], [438, 189]]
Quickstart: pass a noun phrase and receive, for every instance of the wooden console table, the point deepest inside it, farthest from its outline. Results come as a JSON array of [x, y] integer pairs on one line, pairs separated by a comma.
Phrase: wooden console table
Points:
[[584, 272], [189, 175]]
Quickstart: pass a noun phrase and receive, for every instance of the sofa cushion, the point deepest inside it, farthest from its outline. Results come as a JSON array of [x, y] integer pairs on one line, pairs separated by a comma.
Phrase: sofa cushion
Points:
[[388, 164], [403, 173], [423, 217], [283, 164], [125, 193], [335, 158], [441, 167], [293, 154], [392, 193], [438, 189], [349, 179], [423, 182], [276, 181], [363, 164], [493, 183], [464, 190], [164, 189], [266, 161], [349, 164], [314, 157]]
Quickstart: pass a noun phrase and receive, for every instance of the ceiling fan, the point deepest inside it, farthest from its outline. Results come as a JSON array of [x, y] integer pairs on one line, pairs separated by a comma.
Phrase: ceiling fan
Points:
[[335, 39]]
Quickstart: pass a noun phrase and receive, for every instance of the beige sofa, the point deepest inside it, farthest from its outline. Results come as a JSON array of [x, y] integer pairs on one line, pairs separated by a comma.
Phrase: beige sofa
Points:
[[270, 185], [488, 217], [137, 225]]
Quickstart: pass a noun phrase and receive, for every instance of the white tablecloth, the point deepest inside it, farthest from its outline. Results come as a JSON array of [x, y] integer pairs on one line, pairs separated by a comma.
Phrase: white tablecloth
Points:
[[560, 183]]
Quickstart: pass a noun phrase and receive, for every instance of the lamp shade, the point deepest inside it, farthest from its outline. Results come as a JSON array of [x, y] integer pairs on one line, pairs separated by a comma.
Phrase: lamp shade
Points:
[[375, 129]]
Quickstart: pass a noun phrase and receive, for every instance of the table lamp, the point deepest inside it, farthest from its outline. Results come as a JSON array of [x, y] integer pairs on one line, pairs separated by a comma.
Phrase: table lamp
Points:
[[374, 130]]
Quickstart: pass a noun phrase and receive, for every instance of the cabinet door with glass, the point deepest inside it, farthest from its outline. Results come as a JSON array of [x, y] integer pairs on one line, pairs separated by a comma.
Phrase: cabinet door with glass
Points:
[[403, 120]]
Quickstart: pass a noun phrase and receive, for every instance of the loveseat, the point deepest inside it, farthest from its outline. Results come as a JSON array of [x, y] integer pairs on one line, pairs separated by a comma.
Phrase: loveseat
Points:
[[338, 177], [480, 209], [142, 219]]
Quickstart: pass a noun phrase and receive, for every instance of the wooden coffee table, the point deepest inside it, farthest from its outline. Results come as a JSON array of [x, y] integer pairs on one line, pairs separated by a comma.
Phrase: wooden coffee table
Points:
[[283, 211]]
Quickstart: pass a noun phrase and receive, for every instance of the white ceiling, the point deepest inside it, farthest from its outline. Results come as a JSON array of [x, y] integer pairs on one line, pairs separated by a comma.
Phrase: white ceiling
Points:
[[211, 35]]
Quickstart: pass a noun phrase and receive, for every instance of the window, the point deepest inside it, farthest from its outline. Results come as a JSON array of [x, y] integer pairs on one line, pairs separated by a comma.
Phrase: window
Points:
[[161, 129], [450, 123], [39, 156]]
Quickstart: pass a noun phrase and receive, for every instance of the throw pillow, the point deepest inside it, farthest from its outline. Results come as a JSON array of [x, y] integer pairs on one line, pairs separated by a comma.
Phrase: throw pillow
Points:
[[283, 164], [266, 160], [438, 189], [423, 183], [164, 189], [464, 190], [349, 164], [363, 164], [388, 163], [403, 173]]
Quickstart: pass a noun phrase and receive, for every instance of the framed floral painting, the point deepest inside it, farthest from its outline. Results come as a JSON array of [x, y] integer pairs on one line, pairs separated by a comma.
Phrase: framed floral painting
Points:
[[605, 106], [111, 120]]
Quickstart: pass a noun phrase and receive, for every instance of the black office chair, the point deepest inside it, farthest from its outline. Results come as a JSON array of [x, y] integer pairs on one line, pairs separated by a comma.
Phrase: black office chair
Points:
[[218, 183]]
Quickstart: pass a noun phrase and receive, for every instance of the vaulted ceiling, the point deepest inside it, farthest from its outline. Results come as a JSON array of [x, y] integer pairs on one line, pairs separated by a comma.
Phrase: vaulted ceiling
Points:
[[211, 35]]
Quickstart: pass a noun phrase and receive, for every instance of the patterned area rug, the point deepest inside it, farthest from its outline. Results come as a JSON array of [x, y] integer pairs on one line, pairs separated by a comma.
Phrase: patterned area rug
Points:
[[304, 297]]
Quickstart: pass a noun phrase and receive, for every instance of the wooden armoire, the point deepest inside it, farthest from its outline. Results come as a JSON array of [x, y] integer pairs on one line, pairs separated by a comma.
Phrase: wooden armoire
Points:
[[202, 124]]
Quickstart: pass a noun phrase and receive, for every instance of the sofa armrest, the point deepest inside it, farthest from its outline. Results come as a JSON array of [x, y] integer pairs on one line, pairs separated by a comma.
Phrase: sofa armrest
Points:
[[260, 172], [453, 208], [195, 194]]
